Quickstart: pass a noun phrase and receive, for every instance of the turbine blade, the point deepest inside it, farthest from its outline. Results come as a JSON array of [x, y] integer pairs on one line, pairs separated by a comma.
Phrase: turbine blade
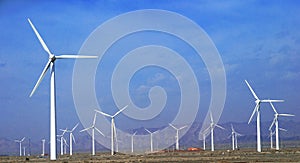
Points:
[[94, 120], [271, 100], [211, 118], [74, 56], [148, 131], [120, 111], [286, 115], [98, 131], [255, 110], [232, 128], [22, 139], [73, 139], [85, 129], [273, 107], [103, 113], [74, 127], [39, 37], [282, 129], [220, 127], [253, 93], [182, 127], [172, 126], [134, 133], [270, 128], [41, 77], [207, 129]]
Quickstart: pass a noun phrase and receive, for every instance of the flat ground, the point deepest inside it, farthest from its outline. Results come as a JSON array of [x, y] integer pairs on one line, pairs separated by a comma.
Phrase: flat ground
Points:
[[245, 155]]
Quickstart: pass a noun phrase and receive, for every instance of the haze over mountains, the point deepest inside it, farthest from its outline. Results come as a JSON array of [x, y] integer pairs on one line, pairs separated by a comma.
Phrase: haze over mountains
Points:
[[222, 138]]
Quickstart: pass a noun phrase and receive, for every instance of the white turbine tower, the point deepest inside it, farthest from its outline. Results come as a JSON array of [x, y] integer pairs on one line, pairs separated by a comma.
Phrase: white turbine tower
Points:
[[50, 64], [93, 127], [177, 134], [132, 141], [113, 126], [43, 147], [20, 144], [211, 127], [275, 121], [234, 136], [71, 138], [257, 111]]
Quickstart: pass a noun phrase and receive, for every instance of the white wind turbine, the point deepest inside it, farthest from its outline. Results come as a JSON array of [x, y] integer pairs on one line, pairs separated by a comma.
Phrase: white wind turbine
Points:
[[151, 139], [71, 138], [113, 126], [43, 147], [62, 141], [211, 127], [275, 121], [177, 134], [234, 136], [132, 141], [50, 64], [20, 144], [257, 111], [203, 138], [93, 127]]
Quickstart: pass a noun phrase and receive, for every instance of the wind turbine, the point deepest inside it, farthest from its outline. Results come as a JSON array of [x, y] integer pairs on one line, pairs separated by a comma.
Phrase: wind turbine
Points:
[[211, 127], [271, 137], [203, 138], [50, 64], [132, 141], [72, 138], [113, 127], [234, 135], [275, 121], [61, 141], [151, 139], [257, 111], [20, 144], [93, 127], [177, 134], [43, 147]]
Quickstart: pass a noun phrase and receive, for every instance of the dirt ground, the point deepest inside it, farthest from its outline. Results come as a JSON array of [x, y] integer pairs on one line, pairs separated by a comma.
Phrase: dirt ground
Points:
[[245, 155]]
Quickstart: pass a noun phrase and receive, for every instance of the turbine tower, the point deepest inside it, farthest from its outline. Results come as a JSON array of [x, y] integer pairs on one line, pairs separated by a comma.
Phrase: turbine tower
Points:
[[20, 144], [177, 134], [50, 64], [72, 138], [211, 127], [43, 147], [132, 141], [257, 111], [113, 127], [93, 127], [275, 121]]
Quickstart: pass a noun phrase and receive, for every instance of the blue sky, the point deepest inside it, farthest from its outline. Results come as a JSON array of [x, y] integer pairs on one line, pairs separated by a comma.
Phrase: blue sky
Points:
[[257, 40]]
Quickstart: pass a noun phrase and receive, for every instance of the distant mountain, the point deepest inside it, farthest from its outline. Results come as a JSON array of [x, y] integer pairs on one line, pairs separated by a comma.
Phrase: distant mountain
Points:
[[291, 138]]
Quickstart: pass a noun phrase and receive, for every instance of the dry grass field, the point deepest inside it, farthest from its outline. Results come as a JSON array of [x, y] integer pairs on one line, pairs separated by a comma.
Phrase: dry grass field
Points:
[[245, 155]]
